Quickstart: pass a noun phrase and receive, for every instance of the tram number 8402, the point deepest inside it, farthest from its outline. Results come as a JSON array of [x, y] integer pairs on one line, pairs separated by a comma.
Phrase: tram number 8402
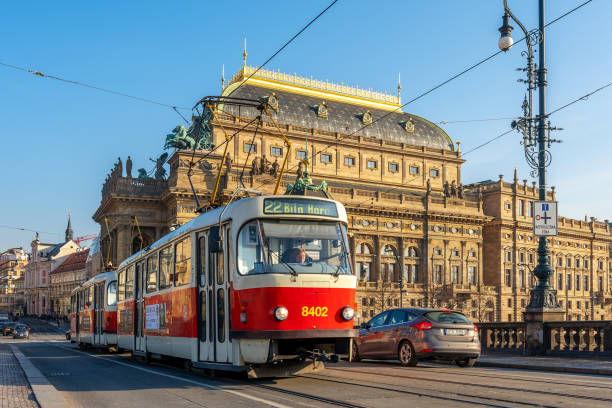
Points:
[[314, 311]]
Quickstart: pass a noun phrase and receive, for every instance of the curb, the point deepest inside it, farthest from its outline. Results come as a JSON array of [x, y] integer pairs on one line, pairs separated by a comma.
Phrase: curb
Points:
[[46, 394], [575, 370]]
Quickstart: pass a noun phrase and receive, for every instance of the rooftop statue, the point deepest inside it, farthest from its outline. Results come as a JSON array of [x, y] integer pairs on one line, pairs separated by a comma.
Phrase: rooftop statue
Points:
[[185, 139], [142, 174]]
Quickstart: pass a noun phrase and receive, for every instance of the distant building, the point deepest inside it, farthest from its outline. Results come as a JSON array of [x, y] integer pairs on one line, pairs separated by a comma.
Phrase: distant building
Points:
[[71, 273], [12, 268], [45, 258]]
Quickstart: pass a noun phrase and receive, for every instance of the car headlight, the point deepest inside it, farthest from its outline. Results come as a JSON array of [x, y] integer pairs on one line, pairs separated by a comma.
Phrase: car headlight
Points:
[[281, 313], [348, 313]]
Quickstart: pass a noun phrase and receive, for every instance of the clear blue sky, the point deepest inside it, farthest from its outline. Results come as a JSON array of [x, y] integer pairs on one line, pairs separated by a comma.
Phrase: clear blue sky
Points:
[[60, 140]]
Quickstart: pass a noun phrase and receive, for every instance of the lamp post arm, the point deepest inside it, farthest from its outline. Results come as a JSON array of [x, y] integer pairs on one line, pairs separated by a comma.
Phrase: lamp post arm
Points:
[[516, 20]]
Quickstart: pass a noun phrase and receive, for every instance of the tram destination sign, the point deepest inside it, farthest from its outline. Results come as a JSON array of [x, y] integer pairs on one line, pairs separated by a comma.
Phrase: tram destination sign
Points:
[[299, 206], [545, 218]]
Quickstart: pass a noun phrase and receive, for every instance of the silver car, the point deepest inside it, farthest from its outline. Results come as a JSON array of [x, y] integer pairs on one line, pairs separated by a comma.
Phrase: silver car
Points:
[[412, 334]]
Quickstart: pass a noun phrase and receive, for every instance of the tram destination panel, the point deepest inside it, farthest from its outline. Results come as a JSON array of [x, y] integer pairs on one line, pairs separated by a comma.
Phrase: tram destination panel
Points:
[[299, 206]]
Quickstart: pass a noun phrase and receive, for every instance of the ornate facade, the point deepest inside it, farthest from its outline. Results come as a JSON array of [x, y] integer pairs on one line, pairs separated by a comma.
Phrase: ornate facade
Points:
[[12, 269], [417, 236], [70, 274]]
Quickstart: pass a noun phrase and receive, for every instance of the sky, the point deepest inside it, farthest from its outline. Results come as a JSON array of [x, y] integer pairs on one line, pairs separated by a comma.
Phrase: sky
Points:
[[60, 140]]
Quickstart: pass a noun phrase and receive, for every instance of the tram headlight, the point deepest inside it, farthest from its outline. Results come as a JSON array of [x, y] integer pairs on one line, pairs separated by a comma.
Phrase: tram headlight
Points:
[[281, 313], [348, 313]]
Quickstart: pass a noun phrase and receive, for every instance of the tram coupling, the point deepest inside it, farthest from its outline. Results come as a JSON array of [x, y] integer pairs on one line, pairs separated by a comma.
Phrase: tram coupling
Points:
[[318, 355]]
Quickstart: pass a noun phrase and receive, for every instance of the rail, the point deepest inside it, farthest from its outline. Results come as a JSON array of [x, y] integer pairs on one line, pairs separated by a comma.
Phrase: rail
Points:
[[502, 337]]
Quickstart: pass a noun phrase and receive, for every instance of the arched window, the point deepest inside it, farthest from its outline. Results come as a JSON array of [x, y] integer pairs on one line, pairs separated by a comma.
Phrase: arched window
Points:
[[411, 252], [363, 249]]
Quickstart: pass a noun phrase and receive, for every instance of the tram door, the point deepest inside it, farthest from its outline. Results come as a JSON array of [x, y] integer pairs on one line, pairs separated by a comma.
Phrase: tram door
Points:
[[214, 299], [98, 313], [139, 340]]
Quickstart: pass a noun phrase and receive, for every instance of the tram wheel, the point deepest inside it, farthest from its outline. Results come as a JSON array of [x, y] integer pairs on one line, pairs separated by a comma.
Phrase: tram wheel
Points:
[[406, 354], [466, 362]]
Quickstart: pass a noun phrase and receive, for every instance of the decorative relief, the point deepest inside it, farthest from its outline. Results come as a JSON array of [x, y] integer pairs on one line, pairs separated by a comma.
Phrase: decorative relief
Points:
[[366, 118], [272, 101], [436, 228], [454, 230], [408, 125]]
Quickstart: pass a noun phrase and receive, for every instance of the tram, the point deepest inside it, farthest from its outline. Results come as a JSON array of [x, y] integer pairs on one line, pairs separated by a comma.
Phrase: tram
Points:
[[262, 285], [93, 319]]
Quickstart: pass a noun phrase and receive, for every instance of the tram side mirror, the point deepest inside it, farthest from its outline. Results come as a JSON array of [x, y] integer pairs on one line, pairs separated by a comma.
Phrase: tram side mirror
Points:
[[365, 326], [214, 240]]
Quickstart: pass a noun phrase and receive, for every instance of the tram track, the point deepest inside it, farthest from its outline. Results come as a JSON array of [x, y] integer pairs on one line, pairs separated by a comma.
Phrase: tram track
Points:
[[487, 386], [451, 396], [470, 373]]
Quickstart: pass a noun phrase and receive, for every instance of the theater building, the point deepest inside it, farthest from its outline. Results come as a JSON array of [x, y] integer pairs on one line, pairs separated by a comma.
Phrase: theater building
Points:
[[418, 236]]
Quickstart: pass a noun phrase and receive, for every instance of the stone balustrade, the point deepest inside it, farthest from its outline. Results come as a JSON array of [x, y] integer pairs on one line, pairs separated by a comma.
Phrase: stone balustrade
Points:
[[133, 186], [570, 338], [502, 337]]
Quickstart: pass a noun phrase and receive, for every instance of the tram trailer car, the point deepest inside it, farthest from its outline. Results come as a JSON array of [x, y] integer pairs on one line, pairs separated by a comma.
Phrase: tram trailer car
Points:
[[263, 285], [93, 318]]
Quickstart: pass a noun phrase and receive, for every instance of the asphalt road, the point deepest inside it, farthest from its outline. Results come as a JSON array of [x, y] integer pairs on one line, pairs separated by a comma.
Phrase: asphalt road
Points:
[[90, 379]]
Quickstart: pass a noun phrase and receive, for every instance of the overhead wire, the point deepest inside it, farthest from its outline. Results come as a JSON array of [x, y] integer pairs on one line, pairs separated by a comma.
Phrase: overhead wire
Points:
[[27, 229], [423, 94]]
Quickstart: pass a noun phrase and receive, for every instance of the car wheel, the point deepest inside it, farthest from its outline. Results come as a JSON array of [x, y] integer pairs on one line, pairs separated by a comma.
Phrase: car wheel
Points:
[[466, 362], [406, 354], [355, 354]]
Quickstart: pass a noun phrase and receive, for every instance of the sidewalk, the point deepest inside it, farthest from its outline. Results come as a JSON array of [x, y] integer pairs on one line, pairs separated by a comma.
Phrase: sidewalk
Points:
[[557, 364], [15, 391]]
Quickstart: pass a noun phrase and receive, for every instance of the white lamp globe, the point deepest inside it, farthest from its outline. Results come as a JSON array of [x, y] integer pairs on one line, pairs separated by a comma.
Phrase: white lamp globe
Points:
[[505, 43]]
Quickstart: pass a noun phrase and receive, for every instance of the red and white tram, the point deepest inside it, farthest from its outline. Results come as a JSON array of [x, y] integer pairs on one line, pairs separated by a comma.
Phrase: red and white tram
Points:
[[262, 285], [93, 319]]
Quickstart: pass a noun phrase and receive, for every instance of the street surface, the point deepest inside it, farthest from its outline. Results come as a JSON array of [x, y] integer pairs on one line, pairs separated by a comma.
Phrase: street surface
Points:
[[102, 379]]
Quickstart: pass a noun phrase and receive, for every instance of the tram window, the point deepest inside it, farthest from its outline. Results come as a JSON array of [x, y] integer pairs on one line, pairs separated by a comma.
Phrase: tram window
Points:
[[129, 282], [202, 265], [182, 265], [90, 299], [121, 286], [165, 268], [111, 294], [219, 267], [221, 315], [152, 274], [293, 246]]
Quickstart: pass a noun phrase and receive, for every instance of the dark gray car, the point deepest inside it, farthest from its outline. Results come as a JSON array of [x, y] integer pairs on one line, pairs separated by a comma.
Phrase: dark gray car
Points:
[[410, 335]]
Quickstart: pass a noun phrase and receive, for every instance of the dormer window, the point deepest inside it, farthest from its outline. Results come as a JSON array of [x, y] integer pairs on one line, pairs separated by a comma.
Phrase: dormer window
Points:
[[322, 110]]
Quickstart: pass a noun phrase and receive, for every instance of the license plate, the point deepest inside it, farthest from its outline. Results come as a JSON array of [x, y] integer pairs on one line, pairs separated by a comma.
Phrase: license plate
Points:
[[454, 332]]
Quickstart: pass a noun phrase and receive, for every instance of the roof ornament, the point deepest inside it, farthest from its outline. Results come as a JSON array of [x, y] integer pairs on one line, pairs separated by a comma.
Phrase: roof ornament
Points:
[[399, 88], [366, 118], [409, 125], [222, 77], [244, 55]]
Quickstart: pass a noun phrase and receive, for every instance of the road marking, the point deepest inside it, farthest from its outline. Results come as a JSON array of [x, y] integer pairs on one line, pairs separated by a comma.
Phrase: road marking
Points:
[[209, 386]]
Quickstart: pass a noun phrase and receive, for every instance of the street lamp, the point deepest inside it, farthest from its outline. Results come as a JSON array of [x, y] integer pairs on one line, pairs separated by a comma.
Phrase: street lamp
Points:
[[543, 296], [390, 251]]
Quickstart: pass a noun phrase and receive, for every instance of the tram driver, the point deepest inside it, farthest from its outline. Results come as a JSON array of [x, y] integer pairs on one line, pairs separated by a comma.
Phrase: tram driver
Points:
[[294, 255]]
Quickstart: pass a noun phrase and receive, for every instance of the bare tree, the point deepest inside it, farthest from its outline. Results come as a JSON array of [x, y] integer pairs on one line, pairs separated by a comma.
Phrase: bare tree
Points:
[[483, 307]]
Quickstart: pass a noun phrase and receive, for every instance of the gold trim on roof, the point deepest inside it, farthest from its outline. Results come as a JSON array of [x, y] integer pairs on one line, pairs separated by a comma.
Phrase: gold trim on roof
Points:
[[288, 81]]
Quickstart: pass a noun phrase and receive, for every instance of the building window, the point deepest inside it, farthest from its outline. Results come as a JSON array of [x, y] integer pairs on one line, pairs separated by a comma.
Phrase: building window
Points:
[[455, 252], [521, 257], [349, 161], [414, 170], [326, 158], [577, 263], [363, 270], [509, 302], [578, 305], [508, 278], [586, 282], [577, 282], [393, 167], [471, 275], [250, 147], [530, 208], [568, 282], [301, 154], [586, 264], [434, 173], [560, 282], [521, 207], [568, 262], [569, 304], [438, 274], [276, 151], [507, 206], [601, 265], [454, 274], [522, 302], [508, 256], [521, 279], [530, 258], [437, 251], [600, 282], [372, 164]]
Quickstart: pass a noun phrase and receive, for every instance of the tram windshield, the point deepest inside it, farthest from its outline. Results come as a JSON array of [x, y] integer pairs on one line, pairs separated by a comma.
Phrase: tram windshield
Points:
[[294, 247]]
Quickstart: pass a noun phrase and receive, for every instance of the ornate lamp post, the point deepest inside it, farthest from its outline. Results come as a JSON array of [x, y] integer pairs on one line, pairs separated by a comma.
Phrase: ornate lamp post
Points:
[[543, 304], [390, 251]]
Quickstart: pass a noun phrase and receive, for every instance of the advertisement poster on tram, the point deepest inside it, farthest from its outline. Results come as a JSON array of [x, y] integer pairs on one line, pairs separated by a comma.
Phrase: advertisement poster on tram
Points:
[[155, 316]]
